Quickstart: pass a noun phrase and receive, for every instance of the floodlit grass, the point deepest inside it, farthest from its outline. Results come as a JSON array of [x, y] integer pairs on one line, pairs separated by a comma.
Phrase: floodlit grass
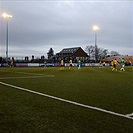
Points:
[[22, 111]]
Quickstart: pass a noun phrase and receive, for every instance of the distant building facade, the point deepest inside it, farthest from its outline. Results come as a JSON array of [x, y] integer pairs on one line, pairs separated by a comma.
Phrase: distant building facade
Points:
[[71, 53]]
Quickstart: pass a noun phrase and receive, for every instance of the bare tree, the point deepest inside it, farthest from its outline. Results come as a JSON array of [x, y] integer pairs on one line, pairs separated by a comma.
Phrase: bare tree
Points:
[[96, 53], [90, 51], [102, 53]]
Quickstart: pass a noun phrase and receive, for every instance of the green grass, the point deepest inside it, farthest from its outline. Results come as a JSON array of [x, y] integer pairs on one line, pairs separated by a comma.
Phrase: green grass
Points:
[[24, 112]]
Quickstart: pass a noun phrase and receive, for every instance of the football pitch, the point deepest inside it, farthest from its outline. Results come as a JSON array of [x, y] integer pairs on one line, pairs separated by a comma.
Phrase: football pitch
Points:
[[50, 100]]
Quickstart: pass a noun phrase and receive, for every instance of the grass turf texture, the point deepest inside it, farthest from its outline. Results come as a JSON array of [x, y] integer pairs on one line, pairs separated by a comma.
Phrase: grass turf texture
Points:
[[22, 111]]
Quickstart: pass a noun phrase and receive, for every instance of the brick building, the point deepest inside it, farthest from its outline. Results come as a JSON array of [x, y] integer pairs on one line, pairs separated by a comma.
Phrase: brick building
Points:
[[71, 53]]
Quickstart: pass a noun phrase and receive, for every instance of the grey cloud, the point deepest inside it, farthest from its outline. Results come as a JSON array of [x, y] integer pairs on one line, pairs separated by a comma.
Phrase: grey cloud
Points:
[[41, 25]]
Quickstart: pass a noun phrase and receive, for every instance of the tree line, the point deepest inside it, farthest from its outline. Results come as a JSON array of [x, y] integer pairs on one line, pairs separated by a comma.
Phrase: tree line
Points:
[[97, 54]]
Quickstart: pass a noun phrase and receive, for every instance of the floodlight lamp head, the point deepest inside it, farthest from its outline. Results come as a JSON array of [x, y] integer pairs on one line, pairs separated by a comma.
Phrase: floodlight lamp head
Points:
[[95, 28], [5, 15]]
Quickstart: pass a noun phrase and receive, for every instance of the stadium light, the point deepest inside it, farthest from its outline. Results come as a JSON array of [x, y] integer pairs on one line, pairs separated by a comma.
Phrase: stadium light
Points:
[[95, 29], [6, 16]]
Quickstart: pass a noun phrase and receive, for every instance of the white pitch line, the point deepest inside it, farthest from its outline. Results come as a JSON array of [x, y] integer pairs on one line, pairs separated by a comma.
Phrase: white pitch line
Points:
[[36, 75], [28, 77], [68, 101], [129, 115], [29, 73]]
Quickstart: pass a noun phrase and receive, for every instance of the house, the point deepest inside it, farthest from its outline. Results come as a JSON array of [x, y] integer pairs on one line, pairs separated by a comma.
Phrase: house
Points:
[[71, 53]]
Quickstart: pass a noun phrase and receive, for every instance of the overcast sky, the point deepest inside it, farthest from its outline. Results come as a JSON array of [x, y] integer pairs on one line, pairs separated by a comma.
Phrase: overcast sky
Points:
[[36, 26]]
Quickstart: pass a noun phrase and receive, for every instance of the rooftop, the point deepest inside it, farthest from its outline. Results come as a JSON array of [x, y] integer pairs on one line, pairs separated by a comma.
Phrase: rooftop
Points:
[[69, 50]]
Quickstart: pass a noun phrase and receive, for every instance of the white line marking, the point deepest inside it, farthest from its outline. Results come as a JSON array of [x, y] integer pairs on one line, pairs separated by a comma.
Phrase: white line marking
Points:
[[68, 101], [26, 73], [28, 77], [36, 75], [129, 115], [29, 73]]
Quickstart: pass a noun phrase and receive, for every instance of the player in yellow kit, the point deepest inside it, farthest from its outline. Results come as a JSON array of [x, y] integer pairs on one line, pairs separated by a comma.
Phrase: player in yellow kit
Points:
[[70, 64], [114, 65], [62, 65]]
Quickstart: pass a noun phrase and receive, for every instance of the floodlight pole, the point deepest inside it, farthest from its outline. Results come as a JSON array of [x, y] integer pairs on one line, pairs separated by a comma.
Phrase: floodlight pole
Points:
[[95, 28], [95, 32], [6, 16], [7, 42]]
